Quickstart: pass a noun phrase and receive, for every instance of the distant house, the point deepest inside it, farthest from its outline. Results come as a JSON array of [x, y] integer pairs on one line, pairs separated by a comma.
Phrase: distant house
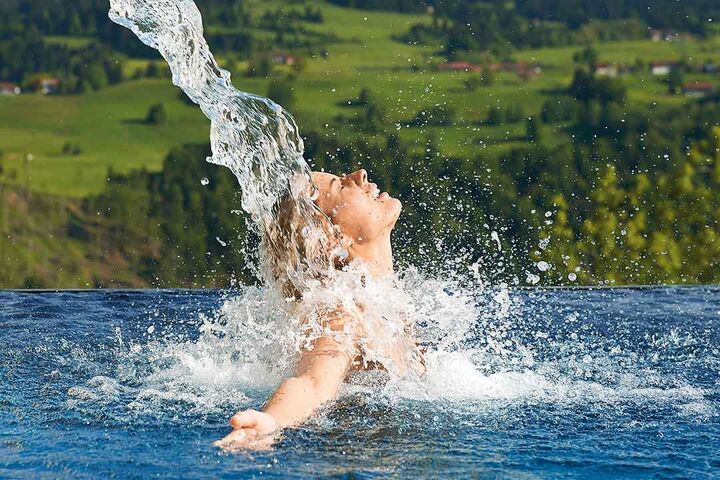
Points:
[[710, 68], [527, 70], [9, 88], [459, 67], [503, 67], [663, 68], [50, 85], [284, 59], [659, 35], [606, 70], [697, 89]]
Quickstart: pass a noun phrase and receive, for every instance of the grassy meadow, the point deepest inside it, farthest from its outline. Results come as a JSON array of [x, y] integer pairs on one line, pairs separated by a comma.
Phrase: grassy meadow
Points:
[[108, 125]]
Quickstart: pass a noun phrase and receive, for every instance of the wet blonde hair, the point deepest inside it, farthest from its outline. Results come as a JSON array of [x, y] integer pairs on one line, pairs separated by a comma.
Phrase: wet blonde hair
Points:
[[299, 245]]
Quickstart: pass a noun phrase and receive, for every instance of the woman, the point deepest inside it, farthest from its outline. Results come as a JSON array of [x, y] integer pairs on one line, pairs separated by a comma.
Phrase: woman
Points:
[[365, 218]]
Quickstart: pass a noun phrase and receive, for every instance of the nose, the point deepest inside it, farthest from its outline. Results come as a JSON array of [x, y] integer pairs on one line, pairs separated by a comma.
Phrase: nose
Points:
[[359, 177]]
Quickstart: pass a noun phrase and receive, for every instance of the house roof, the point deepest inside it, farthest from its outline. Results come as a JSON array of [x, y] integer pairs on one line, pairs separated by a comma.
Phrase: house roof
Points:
[[704, 86], [458, 66]]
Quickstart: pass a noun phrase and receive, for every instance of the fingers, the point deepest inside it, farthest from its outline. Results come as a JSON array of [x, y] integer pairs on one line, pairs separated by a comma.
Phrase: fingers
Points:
[[251, 432], [240, 440], [234, 439], [246, 419]]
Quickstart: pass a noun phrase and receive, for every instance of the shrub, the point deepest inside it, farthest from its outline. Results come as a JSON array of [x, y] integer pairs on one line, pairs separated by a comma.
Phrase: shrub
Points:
[[500, 115], [586, 87], [156, 115]]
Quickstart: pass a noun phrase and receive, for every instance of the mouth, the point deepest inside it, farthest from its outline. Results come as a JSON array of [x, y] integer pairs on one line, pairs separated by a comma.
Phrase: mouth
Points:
[[374, 192]]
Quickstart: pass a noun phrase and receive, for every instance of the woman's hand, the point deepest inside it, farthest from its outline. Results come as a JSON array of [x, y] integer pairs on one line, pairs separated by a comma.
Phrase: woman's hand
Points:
[[253, 431], [320, 374]]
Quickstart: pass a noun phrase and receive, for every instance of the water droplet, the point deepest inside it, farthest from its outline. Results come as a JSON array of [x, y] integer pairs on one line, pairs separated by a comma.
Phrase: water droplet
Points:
[[494, 235], [572, 277], [543, 266], [151, 329], [205, 181], [221, 242]]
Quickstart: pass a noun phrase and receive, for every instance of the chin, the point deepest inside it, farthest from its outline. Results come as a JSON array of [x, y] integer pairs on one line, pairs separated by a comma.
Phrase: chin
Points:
[[395, 207], [398, 204]]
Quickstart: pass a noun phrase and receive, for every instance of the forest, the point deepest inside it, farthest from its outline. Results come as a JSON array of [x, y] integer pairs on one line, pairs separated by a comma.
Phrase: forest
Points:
[[639, 219], [592, 179]]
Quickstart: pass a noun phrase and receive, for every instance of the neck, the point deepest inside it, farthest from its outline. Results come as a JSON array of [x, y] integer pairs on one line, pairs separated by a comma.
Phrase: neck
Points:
[[377, 255]]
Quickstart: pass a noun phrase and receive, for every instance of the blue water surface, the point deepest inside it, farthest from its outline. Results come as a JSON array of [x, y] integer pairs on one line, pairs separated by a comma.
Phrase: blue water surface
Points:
[[623, 383]]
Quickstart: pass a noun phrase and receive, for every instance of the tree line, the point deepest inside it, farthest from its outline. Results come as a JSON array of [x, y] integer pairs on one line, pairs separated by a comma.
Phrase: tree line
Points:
[[690, 15], [24, 52], [499, 26], [632, 198], [28, 59]]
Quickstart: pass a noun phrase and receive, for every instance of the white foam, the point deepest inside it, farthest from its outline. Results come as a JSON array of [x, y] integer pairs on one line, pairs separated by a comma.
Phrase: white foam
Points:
[[250, 345]]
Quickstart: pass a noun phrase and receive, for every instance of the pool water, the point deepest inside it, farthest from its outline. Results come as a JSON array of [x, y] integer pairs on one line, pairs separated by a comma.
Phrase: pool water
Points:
[[608, 383]]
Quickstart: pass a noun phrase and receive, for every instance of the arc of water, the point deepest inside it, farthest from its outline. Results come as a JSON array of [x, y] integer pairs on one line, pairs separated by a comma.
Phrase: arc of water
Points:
[[252, 136]]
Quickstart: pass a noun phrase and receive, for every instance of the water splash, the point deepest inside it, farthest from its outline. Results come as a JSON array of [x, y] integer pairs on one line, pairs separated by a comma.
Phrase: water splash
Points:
[[513, 374], [478, 347], [252, 136], [485, 351], [259, 142]]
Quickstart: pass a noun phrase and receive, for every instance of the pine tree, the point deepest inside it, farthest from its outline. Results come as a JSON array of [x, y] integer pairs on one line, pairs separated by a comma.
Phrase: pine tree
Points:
[[533, 130]]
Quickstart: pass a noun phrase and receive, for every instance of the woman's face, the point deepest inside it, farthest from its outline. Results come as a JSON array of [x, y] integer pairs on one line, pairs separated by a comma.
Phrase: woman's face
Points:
[[361, 211]]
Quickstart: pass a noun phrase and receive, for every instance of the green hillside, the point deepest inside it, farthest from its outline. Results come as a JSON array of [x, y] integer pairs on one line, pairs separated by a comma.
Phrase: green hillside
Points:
[[107, 125], [550, 129]]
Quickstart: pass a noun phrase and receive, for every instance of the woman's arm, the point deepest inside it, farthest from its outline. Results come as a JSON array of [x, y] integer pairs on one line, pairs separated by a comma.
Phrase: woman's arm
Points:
[[319, 376]]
